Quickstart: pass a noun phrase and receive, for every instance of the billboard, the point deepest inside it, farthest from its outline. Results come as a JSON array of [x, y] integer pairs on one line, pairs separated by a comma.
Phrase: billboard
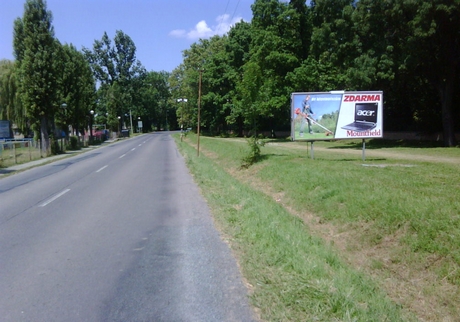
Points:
[[336, 115], [6, 131]]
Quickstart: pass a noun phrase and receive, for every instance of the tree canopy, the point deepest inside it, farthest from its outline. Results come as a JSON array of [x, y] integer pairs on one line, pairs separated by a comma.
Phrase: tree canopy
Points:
[[410, 50], [407, 49]]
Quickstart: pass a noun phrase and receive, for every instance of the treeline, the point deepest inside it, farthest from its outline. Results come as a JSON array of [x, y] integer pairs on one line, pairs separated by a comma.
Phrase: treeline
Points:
[[408, 49], [52, 87]]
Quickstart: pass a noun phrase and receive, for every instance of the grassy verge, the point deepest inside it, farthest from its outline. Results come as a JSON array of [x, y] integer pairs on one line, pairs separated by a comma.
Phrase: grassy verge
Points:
[[308, 232], [11, 156]]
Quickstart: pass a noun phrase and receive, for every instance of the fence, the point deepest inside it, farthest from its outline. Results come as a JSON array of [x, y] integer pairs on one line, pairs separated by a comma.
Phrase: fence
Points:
[[19, 151]]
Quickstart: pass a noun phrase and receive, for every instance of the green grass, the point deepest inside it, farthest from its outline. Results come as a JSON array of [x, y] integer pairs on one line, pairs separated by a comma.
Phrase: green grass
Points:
[[18, 155], [296, 275]]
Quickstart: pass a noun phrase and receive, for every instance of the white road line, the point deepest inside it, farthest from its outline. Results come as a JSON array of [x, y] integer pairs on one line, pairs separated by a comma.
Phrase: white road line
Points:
[[54, 198], [122, 156], [140, 144], [102, 168], [133, 149]]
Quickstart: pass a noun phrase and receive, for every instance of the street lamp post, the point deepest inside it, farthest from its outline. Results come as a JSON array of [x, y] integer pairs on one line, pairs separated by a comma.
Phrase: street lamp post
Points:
[[131, 121], [139, 124], [184, 100], [64, 107], [91, 126]]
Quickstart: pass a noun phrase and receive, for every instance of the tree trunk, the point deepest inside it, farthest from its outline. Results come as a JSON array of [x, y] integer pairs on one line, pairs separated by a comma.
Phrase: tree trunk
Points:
[[446, 92], [44, 135]]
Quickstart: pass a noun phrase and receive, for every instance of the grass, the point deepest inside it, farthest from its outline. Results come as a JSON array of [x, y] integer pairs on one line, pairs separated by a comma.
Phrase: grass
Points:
[[19, 154], [336, 238], [295, 274]]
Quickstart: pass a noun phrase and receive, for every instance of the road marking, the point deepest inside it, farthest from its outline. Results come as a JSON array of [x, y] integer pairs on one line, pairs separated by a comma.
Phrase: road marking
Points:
[[54, 198], [140, 144], [133, 149], [102, 168], [122, 156]]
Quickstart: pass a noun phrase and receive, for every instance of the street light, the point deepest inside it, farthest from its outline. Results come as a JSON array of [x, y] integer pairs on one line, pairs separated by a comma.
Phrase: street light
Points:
[[131, 121], [182, 110], [64, 108], [91, 126], [139, 124], [182, 117]]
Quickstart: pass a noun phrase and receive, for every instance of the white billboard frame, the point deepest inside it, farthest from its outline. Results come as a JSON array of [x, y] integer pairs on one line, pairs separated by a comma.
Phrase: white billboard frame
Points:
[[336, 115]]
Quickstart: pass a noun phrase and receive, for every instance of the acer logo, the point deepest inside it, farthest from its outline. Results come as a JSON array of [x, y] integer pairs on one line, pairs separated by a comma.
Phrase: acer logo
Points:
[[362, 98], [365, 113]]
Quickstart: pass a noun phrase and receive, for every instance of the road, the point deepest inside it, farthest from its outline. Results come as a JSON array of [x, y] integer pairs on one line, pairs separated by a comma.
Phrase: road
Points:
[[119, 233]]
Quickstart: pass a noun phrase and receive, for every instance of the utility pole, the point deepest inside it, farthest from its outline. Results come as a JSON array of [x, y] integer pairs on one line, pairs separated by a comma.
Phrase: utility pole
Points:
[[131, 121], [199, 108]]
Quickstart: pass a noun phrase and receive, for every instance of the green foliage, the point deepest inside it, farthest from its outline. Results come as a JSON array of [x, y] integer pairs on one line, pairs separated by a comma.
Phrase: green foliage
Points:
[[409, 50], [77, 90], [254, 154], [122, 78], [11, 107], [351, 45], [36, 53], [73, 144]]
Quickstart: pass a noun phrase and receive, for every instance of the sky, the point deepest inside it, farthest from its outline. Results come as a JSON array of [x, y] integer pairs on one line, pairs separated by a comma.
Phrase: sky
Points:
[[160, 29]]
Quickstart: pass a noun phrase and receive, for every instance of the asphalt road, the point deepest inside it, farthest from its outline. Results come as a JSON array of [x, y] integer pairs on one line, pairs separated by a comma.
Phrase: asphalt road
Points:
[[119, 233]]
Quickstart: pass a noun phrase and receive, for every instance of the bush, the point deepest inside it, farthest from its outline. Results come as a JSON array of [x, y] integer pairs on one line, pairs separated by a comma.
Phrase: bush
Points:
[[55, 147], [73, 143], [254, 142]]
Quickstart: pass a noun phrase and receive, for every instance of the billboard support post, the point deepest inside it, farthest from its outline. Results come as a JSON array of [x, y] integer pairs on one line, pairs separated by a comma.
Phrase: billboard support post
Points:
[[364, 150]]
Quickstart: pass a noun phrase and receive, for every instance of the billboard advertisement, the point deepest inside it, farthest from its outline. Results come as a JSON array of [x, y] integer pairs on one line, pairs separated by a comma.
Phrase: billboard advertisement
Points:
[[336, 115], [5, 130]]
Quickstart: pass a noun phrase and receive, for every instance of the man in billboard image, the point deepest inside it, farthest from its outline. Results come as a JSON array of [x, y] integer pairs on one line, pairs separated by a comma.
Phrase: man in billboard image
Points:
[[306, 114]]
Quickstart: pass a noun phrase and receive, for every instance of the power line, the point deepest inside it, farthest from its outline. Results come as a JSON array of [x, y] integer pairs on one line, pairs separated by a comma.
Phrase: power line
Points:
[[225, 11], [235, 10]]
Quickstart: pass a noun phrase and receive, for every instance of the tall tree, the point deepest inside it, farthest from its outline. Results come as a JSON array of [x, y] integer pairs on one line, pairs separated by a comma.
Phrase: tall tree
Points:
[[35, 51], [115, 66], [11, 107], [77, 89], [274, 49], [238, 49], [434, 47], [155, 107]]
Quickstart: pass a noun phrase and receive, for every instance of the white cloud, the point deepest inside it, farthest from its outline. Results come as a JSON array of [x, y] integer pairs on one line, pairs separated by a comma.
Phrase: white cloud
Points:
[[202, 30], [178, 33]]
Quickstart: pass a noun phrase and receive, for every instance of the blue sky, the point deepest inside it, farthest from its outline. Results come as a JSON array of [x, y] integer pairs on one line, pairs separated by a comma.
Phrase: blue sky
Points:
[[160, 29]]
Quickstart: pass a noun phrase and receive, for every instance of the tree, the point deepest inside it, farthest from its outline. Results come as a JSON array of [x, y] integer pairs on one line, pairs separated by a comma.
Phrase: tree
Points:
[[115, 67], [238, 50], [77, 89], [11, 107], [434, 49], [35, 51], [155, 107], [274, 48], [410, 50]]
